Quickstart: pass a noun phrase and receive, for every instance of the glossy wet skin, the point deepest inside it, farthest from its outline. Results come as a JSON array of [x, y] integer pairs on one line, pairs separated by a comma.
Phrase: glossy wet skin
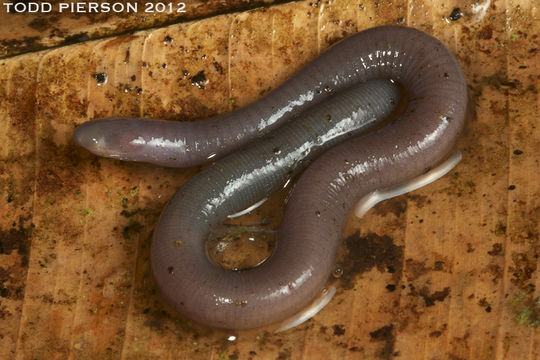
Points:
[[325, 193], [217, 297]]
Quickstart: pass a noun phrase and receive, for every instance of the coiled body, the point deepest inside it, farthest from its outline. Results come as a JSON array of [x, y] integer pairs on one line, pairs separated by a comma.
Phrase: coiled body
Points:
[[316, 212], [244, 299]]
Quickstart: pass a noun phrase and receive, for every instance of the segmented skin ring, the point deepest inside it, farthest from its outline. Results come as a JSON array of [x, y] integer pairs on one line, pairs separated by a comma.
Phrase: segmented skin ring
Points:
[[308, 238]]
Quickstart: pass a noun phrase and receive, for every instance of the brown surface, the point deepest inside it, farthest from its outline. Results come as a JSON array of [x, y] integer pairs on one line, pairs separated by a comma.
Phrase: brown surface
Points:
[[31, 31], [447, 272]]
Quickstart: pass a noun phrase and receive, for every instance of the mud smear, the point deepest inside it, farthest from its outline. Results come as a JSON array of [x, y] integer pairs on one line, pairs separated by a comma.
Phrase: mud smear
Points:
[[13, 277], [17, 238], [10, 287], [385, 334], [395, 206], [524, 267], [430, 299], [371, 251]]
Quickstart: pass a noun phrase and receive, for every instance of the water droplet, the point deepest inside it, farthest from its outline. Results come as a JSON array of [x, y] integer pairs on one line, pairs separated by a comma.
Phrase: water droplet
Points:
[[338, 272], [239, 248], [287, 183], [455, 15], [101, 78]]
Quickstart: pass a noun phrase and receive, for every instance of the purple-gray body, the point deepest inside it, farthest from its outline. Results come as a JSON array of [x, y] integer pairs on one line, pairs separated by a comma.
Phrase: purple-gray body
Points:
[[317, 209]]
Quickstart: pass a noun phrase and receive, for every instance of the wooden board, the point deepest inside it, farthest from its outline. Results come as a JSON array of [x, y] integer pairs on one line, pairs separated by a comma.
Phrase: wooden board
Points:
[[449, 271]]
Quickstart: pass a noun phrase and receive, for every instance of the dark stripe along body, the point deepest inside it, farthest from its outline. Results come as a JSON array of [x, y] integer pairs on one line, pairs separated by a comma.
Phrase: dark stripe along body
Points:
[[316, 212]]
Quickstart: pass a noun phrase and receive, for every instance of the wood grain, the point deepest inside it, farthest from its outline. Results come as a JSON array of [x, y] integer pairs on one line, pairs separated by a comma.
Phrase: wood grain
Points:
[[449, 271], [23, 30]]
